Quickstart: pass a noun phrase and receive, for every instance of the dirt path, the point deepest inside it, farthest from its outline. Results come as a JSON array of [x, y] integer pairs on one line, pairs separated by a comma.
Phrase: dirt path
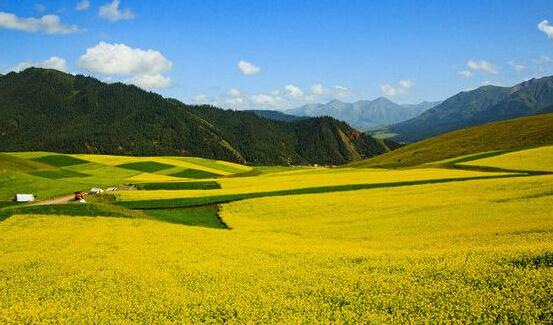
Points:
[[58, 200]]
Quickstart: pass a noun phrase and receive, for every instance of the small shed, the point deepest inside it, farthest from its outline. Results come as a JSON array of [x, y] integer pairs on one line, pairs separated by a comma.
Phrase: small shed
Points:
[[24, 197]]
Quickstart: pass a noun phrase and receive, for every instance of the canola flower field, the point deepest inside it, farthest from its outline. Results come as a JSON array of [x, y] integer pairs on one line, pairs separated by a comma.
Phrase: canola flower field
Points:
[[477, 249]]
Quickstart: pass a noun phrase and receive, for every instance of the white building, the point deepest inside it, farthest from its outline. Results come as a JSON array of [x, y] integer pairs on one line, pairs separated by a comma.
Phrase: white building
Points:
[[24, 197]]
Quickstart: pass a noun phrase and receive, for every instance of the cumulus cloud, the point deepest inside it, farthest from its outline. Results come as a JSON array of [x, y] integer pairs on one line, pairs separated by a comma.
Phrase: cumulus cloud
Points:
[[82, 5], [47, 24], [465, 73], [342, 92], [121, 59], [248, 68], [111, 11], [389, 90], [294, 91], [54, 62], [262, 99], [319, 90], [407, 84], [546, 28], [288, 96], [401, 89], [235, 102], [482, 65], [145, 66]]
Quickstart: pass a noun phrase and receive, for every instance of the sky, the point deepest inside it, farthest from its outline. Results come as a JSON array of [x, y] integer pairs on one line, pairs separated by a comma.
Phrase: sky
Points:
[[264, 54]]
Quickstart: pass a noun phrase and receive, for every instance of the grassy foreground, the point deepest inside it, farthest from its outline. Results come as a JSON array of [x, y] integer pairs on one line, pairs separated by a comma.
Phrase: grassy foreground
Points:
[[423, 245]]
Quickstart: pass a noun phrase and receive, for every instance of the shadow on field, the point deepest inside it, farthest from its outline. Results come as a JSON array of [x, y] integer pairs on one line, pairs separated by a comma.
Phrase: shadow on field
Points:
[[204, 216]]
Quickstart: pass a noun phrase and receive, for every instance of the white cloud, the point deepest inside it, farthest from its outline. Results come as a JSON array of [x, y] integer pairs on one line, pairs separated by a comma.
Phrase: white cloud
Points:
[[54, 62], [145, 66], [288, 96], [342, 91], [248, 67], [482, 66], [111, 11], [392, 91], [150, 81], [465, 73], [233, 92], [546, 28], [294, 91], [121, 59], [235, 102], [406, 84], [83, 5], [516, 67], [264, 100], [389, 90], [47, 24], [317, 89]]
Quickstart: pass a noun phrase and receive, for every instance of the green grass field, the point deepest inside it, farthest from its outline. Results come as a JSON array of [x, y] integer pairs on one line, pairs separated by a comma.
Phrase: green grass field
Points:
[[466, 239]]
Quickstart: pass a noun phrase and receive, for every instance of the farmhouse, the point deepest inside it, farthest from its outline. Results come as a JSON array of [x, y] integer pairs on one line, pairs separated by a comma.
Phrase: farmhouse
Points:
[[24, 197]]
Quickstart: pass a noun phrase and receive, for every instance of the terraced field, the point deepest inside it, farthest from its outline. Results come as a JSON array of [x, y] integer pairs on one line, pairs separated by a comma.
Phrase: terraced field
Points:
[[469, 240]]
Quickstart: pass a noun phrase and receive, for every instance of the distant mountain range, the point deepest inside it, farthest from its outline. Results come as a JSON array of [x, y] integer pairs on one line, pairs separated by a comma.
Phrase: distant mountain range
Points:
[[364, 114], [48, 110], [479, 106]]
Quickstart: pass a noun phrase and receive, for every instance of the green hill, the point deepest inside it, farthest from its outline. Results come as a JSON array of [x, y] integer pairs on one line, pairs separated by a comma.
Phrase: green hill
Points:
[[525, 132], [48, 110], [483, 105]]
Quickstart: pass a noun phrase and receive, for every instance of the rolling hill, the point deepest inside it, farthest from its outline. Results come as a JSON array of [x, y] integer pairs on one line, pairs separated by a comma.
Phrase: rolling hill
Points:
[[524, 132], [479, 106], [364, 114], [48, 110]]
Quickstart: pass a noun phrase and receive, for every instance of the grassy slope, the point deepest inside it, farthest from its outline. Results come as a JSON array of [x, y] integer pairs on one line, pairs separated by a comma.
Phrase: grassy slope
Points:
[[537, 159], [41, 173], [527, 132]]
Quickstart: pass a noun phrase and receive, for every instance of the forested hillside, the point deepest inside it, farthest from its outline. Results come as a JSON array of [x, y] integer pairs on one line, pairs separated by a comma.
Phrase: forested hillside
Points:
[[49, 110]]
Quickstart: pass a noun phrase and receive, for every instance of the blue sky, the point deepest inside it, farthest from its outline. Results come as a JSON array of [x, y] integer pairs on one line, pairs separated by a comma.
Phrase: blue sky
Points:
[[292, 52]]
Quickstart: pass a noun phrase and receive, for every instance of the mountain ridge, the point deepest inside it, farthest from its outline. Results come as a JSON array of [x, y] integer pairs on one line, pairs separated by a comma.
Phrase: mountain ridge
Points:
[[482, 105], [364, 114]]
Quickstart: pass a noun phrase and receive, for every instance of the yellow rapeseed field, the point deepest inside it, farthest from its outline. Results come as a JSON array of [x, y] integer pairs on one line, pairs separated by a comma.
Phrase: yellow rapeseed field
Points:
[[537, 159], [119, 160], [466, 252], [305, 179]]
